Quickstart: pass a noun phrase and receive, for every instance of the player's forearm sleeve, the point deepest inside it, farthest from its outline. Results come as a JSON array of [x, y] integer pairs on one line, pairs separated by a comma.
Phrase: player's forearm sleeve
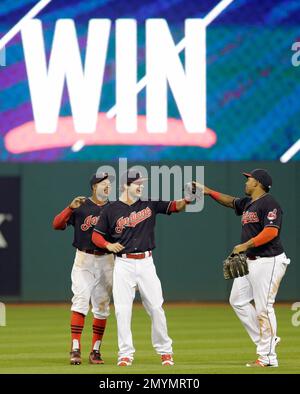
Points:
[[60, 220], [99, 240], [173, 207], [265, 236]]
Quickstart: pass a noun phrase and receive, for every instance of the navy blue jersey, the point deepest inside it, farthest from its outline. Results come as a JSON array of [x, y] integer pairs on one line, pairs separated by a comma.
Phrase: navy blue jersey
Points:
[[256, 215], [131, 225], [84, 219]]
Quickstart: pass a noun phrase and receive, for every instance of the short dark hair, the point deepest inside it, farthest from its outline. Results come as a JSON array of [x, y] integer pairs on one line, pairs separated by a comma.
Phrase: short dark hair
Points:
[[265, 188]]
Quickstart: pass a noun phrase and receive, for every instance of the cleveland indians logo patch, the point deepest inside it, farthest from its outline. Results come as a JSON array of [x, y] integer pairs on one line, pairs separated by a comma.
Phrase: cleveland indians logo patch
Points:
[[272, 215], [249, 217], [133, 219], [89, 222]]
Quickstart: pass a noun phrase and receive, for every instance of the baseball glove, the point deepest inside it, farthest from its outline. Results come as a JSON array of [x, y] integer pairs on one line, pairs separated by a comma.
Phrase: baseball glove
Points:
[[192, 192], [235, 265]]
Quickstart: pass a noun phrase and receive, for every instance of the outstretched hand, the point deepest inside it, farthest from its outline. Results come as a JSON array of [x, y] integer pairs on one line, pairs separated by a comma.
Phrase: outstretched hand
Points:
[[192, 191], [204, 188]]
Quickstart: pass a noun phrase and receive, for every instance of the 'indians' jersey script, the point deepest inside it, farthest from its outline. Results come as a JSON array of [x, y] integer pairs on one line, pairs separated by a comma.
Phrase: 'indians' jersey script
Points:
[[84, 219], [256, 215], [131, 225], [133, 219]]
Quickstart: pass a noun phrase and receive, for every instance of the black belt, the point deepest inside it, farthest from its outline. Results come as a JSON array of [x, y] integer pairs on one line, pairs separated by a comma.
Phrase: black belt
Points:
[[94, 252]]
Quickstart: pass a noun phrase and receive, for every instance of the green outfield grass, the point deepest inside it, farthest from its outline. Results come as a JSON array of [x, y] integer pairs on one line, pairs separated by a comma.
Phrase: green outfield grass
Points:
[[207, 339]]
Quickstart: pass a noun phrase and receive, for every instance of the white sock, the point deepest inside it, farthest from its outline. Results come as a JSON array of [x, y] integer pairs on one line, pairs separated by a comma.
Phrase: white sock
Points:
[[97, 346], [75, 344]]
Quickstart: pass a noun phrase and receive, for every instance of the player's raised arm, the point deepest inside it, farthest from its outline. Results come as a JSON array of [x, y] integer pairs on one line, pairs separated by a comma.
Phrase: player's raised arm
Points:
[[60, 220], [223, 199], [77, 202], [192, 191], [180, 205]]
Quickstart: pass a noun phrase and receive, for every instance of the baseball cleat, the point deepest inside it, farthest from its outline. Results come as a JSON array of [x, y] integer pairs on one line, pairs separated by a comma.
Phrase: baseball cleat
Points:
[[124, 362], [167, 359], [75, 358], [258, 363], [95, 357]]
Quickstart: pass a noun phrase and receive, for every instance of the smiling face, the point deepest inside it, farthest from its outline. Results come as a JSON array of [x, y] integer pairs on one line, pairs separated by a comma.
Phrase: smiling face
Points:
[[102, 189], [135, 190]]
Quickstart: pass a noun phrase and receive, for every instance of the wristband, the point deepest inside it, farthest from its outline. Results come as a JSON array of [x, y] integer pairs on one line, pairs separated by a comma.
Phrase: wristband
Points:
[[215, 195]]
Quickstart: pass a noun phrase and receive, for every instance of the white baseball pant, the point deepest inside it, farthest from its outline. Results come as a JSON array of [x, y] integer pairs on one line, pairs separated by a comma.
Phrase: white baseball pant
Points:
[[130, 274], [261, 285], [92, 282]]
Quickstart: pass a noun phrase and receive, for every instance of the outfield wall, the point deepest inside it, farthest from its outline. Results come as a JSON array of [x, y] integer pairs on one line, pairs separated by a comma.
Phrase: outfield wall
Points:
[[190, 247]]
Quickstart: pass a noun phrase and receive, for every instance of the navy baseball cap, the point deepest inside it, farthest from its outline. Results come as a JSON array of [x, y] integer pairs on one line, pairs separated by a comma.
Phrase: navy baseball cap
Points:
[[99, 177], [262, 176], [131, 176]]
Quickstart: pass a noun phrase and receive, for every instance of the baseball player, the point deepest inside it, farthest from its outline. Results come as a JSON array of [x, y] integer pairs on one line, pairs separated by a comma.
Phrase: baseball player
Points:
[[92, 270], [267, 263], [129, 223]]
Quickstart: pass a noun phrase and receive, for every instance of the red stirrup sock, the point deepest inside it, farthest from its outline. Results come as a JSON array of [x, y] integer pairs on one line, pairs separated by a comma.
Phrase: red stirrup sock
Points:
[[98, 332], [77, 323]]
